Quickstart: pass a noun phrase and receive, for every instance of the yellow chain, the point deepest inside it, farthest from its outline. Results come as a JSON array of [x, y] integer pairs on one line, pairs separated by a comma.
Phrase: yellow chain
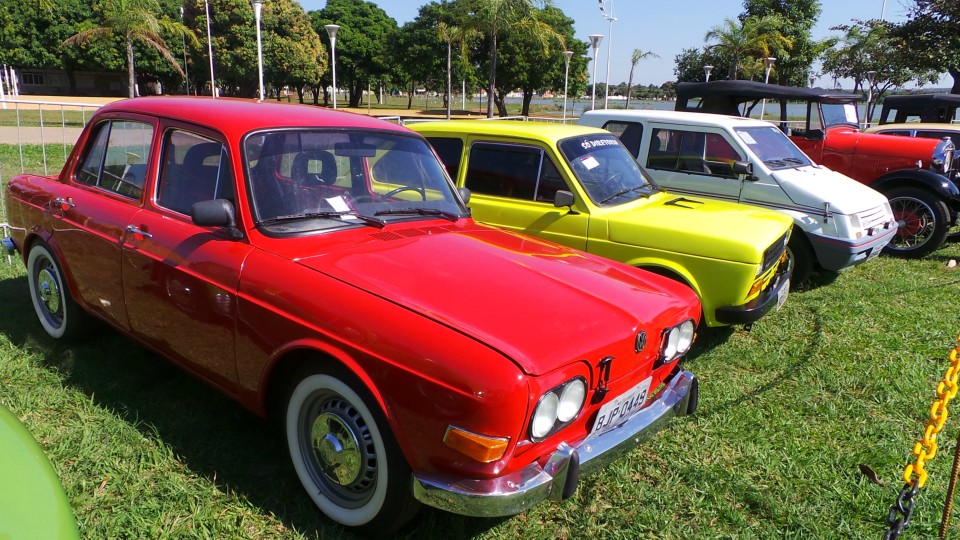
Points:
[[926, 448]]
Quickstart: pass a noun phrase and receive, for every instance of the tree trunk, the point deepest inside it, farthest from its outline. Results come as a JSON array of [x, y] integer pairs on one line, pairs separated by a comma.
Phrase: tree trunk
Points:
[[501, 100], [629, 85], [410, 95], [492, 75], [356, 93], [527, 97], [955, 73], [449, 46], [131, 78]]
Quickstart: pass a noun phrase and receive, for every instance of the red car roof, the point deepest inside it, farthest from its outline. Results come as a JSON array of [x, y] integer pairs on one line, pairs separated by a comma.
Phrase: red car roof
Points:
[[235, 116]]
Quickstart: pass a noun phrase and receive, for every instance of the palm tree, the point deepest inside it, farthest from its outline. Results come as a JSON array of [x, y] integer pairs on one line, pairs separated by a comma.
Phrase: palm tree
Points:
[[451, 34], [134, 20], [493, 18], [634, 58], [758, 35]]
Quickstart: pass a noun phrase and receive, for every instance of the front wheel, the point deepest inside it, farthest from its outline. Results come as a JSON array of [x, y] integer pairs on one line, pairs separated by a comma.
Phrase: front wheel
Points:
[[799, 259], [923, 220], [346, 456]]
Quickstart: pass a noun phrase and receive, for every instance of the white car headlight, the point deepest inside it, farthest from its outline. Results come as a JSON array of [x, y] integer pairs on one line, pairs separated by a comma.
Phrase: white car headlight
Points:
[[558, 407], [676, 341]]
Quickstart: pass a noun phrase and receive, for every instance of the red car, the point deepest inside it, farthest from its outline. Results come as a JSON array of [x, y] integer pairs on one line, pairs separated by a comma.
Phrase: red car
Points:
[[320, 267]]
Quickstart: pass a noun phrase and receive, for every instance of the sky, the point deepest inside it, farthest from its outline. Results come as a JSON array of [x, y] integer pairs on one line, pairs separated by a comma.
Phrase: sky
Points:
[[664, 28]]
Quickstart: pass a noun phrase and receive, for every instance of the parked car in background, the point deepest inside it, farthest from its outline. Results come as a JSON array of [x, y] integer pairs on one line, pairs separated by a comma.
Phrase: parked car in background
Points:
[[929, 108], [578, 186], [319, 266], [32, 501], [918, 176], [838, 223], [918, 129]]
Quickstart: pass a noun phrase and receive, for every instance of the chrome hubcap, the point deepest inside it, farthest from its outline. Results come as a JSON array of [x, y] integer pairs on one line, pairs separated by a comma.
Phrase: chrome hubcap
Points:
[[49, 290], [336, 449]]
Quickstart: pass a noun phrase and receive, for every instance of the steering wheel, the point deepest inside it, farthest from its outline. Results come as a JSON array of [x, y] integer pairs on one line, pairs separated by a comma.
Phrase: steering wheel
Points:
[[401, 189]]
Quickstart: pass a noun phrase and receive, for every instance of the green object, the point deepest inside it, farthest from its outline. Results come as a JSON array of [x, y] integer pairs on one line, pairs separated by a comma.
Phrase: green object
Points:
[[33, 505]]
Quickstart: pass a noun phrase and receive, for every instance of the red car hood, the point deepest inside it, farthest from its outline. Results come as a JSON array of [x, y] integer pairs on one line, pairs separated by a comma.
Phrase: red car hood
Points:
[[540, 304]]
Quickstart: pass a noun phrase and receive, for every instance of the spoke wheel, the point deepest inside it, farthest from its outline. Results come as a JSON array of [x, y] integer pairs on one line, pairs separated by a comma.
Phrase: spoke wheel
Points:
[[923, 220], [346, 457]]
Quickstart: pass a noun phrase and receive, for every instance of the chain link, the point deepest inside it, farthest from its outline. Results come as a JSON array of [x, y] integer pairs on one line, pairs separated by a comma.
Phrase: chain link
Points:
[[915, 474]]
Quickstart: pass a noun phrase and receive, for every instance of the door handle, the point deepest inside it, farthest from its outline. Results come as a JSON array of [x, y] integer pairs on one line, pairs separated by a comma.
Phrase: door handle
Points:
[[138, 233], [63, 204]]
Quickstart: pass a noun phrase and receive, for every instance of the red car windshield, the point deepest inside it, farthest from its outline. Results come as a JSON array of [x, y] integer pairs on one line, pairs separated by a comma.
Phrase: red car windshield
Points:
[[309, 180]]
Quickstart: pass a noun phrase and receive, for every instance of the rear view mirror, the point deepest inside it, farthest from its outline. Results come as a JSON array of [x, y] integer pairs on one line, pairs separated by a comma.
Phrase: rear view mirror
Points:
[[464, 194], [743, 167], [350, 149], [563, 199], [216, 213]]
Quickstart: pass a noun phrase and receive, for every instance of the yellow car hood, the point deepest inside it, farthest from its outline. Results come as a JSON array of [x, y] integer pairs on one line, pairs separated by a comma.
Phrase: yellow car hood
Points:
[[706, 227]]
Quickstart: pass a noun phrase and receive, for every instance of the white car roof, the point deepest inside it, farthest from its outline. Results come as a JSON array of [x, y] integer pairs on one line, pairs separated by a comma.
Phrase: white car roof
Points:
[[676, 117]]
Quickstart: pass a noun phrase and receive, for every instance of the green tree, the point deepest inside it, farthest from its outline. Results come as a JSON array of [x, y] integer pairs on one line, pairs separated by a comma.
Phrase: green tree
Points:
[[753, 36], [362, 42], [931, 37], [493, 19], [293, 53], [133, 20], [689, 64], [635, 57], [796, 19], [868, 53]]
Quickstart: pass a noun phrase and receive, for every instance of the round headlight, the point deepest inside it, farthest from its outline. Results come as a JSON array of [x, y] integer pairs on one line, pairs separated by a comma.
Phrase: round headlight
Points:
[[545, 416], [686, 337], [571, 400], [673, 340]]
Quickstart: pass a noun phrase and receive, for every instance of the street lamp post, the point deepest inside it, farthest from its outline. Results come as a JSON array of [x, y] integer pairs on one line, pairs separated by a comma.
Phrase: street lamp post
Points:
[[566, 80], [767, 66], [595, 43], [608, 15], [186, 72], [213, 81], [706, 71], [332, 33], [257, 10]]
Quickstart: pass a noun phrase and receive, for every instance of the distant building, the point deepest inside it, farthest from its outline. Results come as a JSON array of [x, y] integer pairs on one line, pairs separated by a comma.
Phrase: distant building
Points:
[[56, 82]]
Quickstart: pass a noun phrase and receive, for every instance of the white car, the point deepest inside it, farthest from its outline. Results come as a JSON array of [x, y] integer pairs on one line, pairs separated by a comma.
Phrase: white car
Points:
[[838, 222]]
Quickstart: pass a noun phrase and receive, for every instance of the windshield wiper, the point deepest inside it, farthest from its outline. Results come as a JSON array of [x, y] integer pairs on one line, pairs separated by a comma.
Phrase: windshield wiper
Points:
[[419, 211], [798, 161], [623, 192], [775, 162], [376, 222]]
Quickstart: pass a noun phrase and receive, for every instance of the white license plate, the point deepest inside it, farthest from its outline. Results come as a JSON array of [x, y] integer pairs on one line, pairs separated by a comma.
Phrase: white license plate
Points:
[[622, 407], [782, 294], [874, 252]]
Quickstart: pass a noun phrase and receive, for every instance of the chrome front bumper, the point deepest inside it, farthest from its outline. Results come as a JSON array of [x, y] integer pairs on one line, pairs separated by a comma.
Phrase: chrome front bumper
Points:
[[515, 493]]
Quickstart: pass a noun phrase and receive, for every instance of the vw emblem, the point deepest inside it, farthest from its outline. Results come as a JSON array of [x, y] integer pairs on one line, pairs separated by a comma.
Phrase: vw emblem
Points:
[[641, 341]]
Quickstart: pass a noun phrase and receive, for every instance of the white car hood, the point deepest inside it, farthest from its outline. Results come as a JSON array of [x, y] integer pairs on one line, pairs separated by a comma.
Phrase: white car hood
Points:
[[812, 186]]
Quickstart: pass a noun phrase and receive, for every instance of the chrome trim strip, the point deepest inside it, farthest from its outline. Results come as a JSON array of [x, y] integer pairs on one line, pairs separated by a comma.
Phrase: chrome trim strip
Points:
[[517, 492]]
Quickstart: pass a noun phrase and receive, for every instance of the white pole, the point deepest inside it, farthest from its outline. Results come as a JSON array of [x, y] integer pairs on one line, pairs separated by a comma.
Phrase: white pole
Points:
[[213, 81], [595, 42], [257, 9], [13, 80], [332, 33]]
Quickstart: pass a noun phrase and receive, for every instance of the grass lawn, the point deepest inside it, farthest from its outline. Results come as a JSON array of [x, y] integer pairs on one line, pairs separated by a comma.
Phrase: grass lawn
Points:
[[842, 377]]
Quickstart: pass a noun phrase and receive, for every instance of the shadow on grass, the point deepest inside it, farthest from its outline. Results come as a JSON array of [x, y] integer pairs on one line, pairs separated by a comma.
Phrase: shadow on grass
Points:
[[209, 433]]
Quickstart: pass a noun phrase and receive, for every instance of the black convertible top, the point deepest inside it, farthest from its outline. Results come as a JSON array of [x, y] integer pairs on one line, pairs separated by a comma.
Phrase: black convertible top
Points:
[[923, 100], [725, 96], [923, 107]]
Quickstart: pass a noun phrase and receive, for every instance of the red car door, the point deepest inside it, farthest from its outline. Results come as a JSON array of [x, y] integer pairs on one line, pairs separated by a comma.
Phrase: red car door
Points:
[[179, 279], [92, 210]]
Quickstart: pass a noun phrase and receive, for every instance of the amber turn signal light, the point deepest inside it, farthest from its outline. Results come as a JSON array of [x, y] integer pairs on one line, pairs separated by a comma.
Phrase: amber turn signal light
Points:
[[479, 447]]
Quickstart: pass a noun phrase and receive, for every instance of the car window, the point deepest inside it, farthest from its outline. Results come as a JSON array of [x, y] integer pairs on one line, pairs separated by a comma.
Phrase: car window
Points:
[[937, 134], [117, 159], [774, 148], [449, 149], [629, 133], [897, 132], [605, 169], [194, 169], [305, 180], [692, 151], [514, 171]]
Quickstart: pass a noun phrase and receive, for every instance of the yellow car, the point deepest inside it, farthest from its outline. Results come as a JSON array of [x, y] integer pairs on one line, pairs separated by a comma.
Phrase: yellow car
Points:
[[580, 187]]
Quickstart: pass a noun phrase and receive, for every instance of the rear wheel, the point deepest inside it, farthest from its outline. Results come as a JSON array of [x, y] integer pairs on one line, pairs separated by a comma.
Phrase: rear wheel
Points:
[[346, 456], [56, 309], [923, 219]]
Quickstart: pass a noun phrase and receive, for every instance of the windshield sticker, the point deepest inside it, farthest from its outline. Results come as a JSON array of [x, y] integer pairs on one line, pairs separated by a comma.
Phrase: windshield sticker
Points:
[[850, 111], [589, 162], [747, 138], [596, 143], [340, 205]]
